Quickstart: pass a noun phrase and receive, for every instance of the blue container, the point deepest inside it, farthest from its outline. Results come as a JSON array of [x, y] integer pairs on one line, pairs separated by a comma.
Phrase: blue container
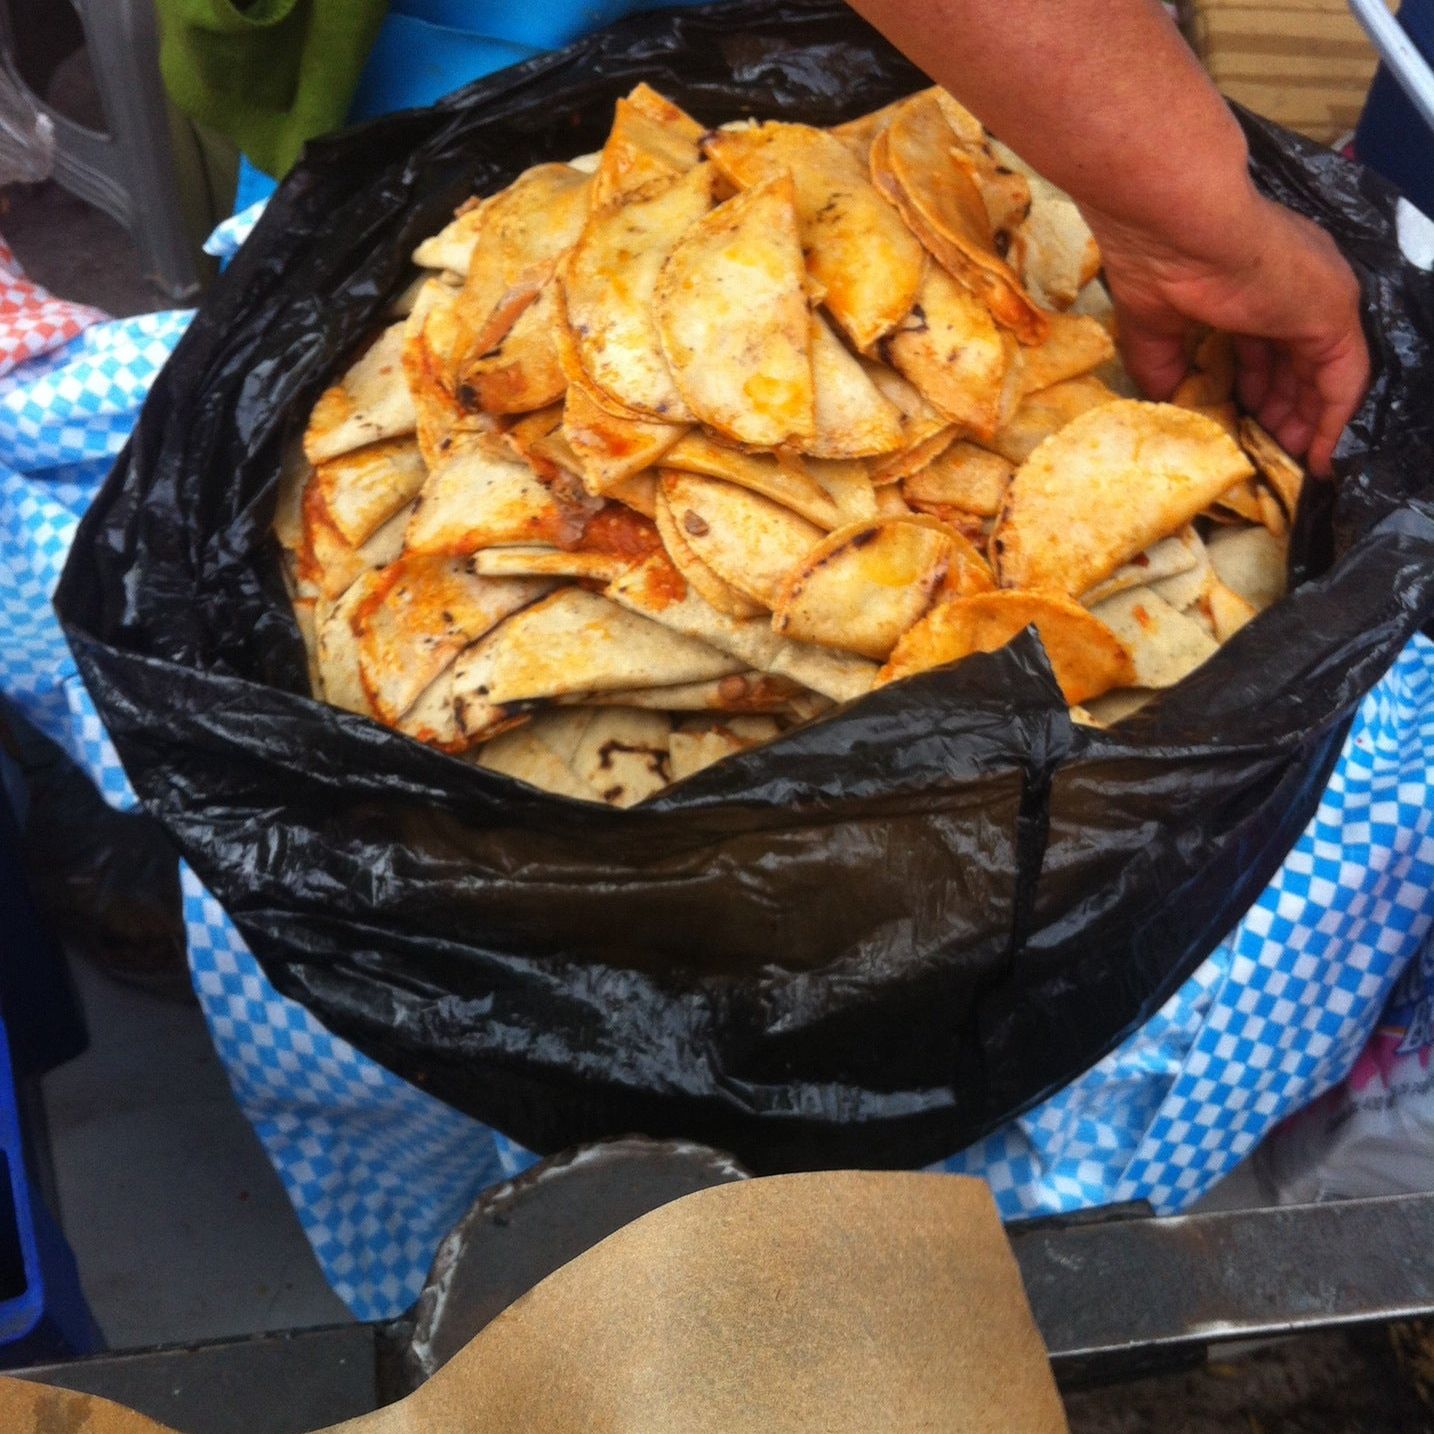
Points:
[[1391, 136], [414, 62], [428, 48]]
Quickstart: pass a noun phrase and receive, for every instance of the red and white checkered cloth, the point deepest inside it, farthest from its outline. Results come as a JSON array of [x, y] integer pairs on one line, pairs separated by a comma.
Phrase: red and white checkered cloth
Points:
[[33, 321]]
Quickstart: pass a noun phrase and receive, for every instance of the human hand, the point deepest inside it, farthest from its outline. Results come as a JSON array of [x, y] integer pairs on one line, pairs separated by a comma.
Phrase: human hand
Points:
[[1271, 279], [1107, 101]]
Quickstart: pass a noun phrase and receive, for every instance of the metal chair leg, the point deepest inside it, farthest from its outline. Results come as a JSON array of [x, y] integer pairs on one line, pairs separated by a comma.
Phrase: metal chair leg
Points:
[[128, 172]]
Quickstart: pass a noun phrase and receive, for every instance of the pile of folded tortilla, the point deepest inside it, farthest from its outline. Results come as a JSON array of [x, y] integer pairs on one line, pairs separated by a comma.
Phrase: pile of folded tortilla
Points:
[[676, 446]]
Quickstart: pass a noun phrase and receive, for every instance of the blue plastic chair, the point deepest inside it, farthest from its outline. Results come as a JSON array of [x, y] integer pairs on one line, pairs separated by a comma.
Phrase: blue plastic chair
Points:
[[43, 1313]]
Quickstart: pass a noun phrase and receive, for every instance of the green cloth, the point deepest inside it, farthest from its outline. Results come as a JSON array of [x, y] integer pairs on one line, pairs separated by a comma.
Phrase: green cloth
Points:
[[268, 74]]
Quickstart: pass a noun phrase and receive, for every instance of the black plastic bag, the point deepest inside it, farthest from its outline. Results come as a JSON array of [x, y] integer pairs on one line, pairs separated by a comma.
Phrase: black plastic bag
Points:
[[106, 882], [867, 943]]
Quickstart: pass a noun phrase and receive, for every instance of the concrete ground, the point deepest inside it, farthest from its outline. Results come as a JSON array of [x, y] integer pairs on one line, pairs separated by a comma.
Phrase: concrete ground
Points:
[[183, 1232], [75, 251], [180, 1226]]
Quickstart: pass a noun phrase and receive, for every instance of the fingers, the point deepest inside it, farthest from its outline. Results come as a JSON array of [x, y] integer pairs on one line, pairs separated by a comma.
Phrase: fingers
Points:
[[1253, 359], [1281, 394], [1331, 364], [1291, 301], [1155, 356], [1304, 389], [1304, 400], [1302, 397], [1294, 434], [1321, 449], [1340, 383]]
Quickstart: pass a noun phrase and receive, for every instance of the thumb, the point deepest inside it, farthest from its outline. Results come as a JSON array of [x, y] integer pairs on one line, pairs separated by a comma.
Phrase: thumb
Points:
[[1154, 355]]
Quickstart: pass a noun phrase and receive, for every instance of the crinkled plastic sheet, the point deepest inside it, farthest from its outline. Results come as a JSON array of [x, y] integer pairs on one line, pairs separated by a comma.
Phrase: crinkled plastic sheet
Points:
[[869, 942]]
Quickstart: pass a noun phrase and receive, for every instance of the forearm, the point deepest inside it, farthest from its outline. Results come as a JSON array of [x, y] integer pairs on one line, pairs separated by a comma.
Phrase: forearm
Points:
[[1103, 97]]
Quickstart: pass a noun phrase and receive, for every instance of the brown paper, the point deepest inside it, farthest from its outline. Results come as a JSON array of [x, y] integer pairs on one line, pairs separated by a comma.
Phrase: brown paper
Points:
[[820, 1303]]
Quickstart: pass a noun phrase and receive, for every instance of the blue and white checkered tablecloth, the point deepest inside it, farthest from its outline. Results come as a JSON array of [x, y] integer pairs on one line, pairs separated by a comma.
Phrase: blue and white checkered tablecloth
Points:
[[63, 418], [378, 1170]]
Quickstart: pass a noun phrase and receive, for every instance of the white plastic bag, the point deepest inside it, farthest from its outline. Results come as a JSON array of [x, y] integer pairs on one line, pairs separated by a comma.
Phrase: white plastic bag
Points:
[[27, 137], [1373, 1134]]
